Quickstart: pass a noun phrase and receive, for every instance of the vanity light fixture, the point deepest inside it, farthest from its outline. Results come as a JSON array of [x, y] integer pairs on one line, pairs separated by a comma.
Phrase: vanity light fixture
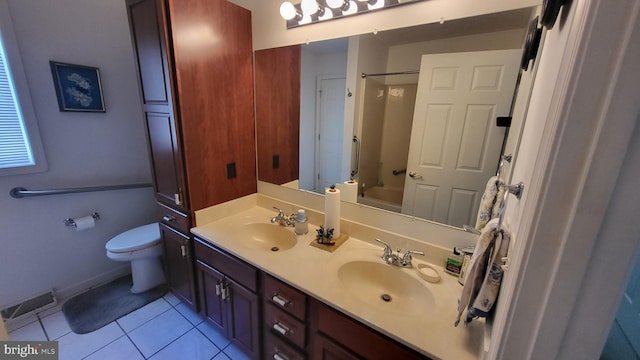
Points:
[[312, 11]]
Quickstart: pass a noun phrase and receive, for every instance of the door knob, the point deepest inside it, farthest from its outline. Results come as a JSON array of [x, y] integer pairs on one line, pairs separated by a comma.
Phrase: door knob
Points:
[[414, 175]]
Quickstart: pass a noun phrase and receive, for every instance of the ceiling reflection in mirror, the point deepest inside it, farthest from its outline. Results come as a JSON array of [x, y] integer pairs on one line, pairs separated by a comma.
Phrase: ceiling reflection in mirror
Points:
[[392, 134]]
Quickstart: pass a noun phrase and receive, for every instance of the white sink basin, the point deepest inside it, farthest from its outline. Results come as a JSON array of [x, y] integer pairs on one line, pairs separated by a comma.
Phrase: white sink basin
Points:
[[386, 288], [265, 237]]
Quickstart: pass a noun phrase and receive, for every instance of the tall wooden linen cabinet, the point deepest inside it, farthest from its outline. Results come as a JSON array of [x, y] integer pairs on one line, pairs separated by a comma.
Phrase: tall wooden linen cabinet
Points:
[[196, 79]]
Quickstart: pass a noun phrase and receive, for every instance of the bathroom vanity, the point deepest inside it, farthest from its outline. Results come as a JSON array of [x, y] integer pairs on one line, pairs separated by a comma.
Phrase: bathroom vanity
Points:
[[296, 301]]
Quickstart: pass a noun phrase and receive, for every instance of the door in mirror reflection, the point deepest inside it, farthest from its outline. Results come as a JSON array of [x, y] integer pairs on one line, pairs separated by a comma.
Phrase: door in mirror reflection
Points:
[[455, 142]]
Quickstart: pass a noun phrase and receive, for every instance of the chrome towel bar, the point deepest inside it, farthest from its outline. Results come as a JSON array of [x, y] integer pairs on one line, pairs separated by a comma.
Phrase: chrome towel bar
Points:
[[19, 192]]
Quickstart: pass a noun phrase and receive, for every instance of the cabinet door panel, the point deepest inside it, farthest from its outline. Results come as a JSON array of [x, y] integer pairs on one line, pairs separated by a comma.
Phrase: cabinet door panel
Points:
[[325, 349], [149, 43], [178, 264], [166, 157], [212, 305], [243, 313]]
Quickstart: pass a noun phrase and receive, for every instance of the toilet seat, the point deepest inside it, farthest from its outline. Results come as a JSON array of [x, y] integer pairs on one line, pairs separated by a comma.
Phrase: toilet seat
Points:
[[142, 237]]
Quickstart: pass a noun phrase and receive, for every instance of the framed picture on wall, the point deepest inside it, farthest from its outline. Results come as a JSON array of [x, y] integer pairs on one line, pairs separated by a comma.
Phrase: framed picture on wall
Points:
[[78, 87]]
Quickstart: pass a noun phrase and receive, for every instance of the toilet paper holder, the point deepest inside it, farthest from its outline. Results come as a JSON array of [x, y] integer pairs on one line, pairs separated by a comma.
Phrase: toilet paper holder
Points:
[[71, 222]]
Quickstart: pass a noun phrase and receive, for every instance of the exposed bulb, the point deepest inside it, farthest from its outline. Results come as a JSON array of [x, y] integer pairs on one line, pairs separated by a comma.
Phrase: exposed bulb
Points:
[[309, 7], [287, 10], [335, 4]]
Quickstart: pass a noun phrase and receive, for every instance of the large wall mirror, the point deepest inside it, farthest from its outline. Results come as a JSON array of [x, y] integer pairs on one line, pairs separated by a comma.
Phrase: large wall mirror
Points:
[[409, 114]]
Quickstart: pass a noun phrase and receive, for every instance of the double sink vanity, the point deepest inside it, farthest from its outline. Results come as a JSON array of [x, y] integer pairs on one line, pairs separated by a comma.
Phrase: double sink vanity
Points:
[[259, 280]]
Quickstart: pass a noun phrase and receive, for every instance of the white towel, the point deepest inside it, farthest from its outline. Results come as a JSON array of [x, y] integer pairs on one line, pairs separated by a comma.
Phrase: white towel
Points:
[[490, 202], [484, 274]]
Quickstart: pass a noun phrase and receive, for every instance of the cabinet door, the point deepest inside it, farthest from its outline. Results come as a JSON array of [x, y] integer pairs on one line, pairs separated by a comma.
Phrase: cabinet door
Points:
[[212, 306], [178, 264], [148, 30], [325, 349], [243, 313]]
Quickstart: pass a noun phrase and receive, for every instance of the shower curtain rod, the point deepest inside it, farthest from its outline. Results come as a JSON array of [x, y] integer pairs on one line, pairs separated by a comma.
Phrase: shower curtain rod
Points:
[[393, 73]]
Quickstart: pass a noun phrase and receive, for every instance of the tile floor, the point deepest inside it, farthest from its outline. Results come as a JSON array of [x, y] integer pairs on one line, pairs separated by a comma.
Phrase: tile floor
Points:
[[163, 329]]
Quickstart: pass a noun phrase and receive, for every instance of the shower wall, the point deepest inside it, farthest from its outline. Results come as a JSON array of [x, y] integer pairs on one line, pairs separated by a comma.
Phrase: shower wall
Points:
[[398, 118], [386, 131]]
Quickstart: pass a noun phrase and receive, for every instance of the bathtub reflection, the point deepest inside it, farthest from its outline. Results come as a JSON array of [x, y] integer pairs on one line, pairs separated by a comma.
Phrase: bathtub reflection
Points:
[[387, 198]]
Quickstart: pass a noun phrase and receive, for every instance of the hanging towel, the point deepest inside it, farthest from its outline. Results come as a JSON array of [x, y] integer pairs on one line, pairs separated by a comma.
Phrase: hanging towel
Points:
[[484, 272], [490, 202]]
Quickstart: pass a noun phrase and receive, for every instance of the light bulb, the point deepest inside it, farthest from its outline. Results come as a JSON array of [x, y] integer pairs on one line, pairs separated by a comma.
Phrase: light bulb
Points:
[[287, 10], [335, 4], [309, 7]]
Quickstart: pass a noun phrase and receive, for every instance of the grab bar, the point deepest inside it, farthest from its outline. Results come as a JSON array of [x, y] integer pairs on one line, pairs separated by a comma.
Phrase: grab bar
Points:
[[19, 192], [356, 167]]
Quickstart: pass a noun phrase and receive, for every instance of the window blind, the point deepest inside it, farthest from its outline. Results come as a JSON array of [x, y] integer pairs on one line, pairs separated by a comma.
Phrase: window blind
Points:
[[14, 144]]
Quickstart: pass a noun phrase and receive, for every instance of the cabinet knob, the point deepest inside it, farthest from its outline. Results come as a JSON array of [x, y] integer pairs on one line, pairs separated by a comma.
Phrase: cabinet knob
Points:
[[183, 250], [177, 198]]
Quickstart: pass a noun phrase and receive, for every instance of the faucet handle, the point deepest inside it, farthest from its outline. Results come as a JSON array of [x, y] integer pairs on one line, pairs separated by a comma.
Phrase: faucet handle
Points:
[[387, 248], [406, 258], [280, 212]]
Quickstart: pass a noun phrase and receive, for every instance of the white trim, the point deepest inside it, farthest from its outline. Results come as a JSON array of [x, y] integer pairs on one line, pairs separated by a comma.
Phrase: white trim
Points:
[[24, 97], [585, 137]]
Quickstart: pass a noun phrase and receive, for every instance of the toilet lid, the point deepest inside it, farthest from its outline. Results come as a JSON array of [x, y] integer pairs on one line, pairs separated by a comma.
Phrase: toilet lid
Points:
[[135, 239]]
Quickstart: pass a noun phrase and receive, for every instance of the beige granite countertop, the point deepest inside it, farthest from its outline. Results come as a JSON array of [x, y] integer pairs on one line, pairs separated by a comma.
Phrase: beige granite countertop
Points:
[[428, 330]]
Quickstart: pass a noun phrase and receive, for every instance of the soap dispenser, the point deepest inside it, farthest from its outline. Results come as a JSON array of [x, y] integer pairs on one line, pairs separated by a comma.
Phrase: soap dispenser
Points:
[[300, 223]]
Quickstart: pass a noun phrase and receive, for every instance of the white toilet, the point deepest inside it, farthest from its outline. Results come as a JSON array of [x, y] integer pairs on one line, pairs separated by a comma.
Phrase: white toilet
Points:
[[141, 246]]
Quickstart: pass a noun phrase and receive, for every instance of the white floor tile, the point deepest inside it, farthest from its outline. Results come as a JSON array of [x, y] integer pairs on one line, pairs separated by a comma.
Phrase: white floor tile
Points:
[[32, 331], [234, 353], [122, 348], [221, 356], [192, 345], [214, 335], [172, 299], [138, 317], [55, 325], [75, 346], [186, 311], [159, 332]]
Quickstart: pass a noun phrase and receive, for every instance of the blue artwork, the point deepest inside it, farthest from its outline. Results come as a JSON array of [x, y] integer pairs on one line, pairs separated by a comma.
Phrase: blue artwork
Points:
[[78, 87]]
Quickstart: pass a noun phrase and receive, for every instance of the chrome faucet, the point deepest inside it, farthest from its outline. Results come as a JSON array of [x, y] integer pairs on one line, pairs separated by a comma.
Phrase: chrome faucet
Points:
[[283, 219], [395, 259]]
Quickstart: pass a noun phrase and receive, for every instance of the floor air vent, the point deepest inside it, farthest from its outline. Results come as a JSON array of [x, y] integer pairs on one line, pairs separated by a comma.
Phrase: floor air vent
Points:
[[30, 306]]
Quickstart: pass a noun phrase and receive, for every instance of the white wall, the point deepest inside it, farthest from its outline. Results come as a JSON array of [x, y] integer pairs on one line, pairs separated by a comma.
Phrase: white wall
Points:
[[313, 65], [83, 149]]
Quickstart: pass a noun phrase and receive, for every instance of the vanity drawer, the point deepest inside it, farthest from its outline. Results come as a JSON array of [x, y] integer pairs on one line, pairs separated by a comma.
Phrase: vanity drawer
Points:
[[276, 348], [243, 273], [173, 218], [285, 297], [359, 338], [284, 325]]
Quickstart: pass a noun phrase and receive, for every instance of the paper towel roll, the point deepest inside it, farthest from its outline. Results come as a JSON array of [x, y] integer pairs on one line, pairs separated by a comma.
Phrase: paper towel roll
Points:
[[348, 191], [332, 211], [84, 223]]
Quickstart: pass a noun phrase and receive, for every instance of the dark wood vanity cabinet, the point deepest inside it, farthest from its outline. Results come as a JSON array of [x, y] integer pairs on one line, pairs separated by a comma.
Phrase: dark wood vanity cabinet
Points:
[[197, 94], [229, 298], [285, 322], [178, 263]]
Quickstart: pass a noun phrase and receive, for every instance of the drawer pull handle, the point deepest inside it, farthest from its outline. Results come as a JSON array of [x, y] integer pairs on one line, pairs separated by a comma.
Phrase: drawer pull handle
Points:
[[183, 250], [218, 289], [281, 328], [168, 218], [278, 299], [225, 292], [278, 356]]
